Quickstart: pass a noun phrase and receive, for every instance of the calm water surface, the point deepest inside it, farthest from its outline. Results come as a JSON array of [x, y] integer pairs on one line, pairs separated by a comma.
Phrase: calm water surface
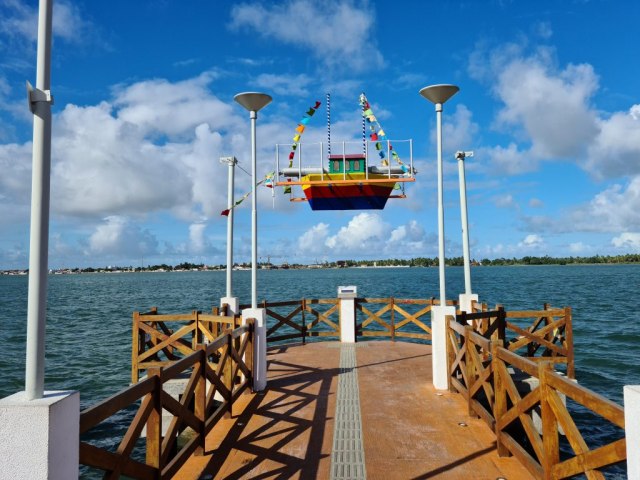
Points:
[[88, 342]]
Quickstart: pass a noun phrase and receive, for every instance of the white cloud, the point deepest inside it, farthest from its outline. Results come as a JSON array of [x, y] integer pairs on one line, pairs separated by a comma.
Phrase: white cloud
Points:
[[536, 203], [118, 236], [19, 21], [364, 232], [627, 240], [458, 130], [510, 160], [291, 85], [616, 149], [579, 248], [339, 33], [532, 242], [504, 201], [313, 240]]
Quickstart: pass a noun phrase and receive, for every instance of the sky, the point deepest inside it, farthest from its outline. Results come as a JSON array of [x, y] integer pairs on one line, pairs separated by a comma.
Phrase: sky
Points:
[[548, 102]]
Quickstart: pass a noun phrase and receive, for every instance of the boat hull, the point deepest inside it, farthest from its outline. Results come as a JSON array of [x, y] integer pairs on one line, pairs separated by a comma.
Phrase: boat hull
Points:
[[358, 194]]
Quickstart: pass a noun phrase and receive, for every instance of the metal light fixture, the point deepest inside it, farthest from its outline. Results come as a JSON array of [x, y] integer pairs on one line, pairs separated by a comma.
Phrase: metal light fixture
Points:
[[439, 94], [253, 102]]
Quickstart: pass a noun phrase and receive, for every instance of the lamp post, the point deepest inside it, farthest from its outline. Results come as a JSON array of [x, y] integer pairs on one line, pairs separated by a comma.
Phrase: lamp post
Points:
[[254, 102], [40, 101], [438, 95], [229, 300], [467, 298]]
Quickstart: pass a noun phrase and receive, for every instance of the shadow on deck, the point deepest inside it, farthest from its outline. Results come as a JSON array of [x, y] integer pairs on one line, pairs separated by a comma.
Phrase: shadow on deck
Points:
[[409, 430]]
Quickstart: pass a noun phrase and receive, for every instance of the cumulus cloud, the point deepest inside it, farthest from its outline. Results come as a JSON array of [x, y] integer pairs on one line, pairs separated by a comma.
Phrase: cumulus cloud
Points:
[[627, 240], [119, 236], [367, 232], [344, 40], [532, 242]]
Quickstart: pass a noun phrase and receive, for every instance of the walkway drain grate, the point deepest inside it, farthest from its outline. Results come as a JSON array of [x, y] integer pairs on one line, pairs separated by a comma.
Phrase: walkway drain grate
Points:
[[347, 457]]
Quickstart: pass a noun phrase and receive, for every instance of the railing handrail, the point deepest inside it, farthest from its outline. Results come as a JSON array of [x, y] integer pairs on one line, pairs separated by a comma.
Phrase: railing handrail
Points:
[[202, 416], [468, 377]]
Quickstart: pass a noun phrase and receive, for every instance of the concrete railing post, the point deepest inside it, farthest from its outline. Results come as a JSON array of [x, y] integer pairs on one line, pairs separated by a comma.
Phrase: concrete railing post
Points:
[[632, 429], [259, 346], [39, 439], [439, 314], [347, 298]]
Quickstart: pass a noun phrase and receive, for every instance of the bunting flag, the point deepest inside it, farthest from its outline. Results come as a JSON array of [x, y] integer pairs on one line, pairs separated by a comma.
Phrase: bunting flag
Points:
[[267, 180], [377, 133], [302, 124]]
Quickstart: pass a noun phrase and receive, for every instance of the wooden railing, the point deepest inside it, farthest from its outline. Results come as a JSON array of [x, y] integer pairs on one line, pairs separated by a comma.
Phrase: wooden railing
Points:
[[486, 373], [394, 317], [196, 409], [159, 340]]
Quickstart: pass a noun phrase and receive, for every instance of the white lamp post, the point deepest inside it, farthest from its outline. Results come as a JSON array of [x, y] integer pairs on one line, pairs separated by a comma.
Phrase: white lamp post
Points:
[[229, 300], [438, 95], [41, 425], [254, 102], [467, 298]]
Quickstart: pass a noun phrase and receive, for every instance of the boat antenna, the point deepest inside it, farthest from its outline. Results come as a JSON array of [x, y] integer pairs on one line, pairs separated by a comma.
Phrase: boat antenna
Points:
[[328, 124], [364, 131]]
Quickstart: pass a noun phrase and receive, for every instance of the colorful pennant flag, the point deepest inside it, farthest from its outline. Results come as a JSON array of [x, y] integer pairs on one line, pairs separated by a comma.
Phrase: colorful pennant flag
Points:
[[267, 180], [377, 133]]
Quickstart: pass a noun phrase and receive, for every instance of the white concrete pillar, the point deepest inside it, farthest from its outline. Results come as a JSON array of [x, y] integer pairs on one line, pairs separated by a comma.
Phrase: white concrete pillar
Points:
[[259, 346], [439, 345], [347, 320], [40, 439], [232, 303], [465, 301], [632, 429], [347, 297]]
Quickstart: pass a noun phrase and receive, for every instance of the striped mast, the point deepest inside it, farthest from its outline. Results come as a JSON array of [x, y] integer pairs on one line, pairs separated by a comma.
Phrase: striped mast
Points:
[[328, 125]]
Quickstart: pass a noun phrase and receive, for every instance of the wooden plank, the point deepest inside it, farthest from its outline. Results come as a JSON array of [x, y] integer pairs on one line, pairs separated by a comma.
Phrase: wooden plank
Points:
[[523, 456], [517, 361], [589, 399], [109, 406], [609, 454], [96, 457]]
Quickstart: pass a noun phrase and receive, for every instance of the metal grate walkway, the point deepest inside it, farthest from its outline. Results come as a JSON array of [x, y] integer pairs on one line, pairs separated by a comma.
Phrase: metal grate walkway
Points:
[[347, 457]]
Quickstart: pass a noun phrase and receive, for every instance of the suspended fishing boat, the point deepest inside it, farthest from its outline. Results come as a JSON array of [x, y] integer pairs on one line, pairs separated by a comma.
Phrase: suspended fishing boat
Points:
[[358, 178]]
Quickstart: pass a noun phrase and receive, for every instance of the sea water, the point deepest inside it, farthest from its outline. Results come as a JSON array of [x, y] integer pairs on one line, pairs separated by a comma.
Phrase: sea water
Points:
[[89, 322]]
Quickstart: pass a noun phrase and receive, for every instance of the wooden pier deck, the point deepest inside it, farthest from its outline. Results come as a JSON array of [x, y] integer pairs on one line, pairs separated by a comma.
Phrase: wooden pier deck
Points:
[[408, 429]]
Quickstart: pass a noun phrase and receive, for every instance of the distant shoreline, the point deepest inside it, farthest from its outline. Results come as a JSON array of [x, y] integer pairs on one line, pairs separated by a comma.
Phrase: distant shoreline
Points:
[[629, 259]]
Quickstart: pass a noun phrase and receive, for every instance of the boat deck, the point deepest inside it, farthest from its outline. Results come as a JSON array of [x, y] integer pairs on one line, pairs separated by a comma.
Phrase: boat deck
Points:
[[368, 410]]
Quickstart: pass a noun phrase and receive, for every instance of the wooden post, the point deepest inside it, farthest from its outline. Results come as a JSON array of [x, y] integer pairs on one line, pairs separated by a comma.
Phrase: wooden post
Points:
[[304, 321], [228, 375], [154, 422], [550, 442], [450, 357], [468, 366], [135, 348], [568, 336], [500, 403], [200, 400], [393, 319], [249, 350], [195, 334], [502, 325]]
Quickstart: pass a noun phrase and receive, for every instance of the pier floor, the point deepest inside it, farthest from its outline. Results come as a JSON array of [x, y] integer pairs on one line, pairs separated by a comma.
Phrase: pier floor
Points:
[[408, 429]]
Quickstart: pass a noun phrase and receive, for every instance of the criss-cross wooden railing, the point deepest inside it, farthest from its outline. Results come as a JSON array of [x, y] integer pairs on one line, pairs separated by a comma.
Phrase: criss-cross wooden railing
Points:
[[543, 335], [394, 317], [469, 352], [196, 410], [158, 340], [301, 319], [540, 453], [488, 375]]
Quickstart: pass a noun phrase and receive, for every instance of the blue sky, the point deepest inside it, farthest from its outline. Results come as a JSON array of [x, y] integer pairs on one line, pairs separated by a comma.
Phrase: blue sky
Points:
[[144, 108]]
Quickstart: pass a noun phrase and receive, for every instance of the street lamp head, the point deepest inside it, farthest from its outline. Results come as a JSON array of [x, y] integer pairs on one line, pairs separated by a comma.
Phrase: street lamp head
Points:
[[439, 93], [253, 101]]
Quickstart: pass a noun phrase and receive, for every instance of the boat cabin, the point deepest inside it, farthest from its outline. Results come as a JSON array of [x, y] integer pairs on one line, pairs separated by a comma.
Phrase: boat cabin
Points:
[[355, 163]]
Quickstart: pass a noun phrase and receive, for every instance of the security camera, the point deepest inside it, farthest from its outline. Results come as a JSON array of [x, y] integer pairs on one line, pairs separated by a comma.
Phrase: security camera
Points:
[[460, 155]]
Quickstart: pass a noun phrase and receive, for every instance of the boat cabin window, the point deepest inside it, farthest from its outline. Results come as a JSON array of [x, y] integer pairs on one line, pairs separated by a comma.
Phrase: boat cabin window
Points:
[[336, 165], [355, 166]]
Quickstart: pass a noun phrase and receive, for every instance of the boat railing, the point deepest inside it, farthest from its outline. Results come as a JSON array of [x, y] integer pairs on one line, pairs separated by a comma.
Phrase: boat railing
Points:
[[314, 156], [529, 406], [158, 340], [209, 395]]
